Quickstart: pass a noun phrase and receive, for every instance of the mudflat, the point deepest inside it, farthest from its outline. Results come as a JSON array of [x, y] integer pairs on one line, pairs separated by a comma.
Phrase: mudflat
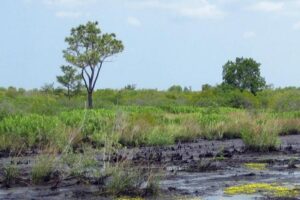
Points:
[[202, 169]]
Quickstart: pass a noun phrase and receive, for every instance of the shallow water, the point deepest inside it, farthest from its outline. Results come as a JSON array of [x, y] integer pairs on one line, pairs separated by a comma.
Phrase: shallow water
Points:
[[210, 185]]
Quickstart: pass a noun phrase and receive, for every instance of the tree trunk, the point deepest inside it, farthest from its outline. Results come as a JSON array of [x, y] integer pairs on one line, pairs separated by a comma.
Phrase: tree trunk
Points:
[[69, 97], [90, 100]]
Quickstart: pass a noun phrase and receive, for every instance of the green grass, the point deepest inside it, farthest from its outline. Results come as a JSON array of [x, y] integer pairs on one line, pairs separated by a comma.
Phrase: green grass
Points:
[[150, 126], [31, 130], [124, 180], [10, 174], [262, 134], [42, 169]]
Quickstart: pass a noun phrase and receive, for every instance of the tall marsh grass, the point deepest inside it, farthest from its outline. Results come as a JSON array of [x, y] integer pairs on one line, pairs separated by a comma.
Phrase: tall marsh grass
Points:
[[145, 126]]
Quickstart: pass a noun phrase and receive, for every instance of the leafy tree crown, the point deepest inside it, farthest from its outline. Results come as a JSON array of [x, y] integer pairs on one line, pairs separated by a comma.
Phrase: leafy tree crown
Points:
[[244, 74]]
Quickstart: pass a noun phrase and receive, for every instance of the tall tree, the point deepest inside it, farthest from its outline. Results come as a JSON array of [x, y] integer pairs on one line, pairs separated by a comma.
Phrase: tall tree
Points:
[[244, 74], [88, 48], [70, 79]]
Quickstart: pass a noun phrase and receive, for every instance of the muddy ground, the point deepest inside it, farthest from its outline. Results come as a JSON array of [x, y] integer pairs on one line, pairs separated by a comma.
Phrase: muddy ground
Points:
[[199, 169]]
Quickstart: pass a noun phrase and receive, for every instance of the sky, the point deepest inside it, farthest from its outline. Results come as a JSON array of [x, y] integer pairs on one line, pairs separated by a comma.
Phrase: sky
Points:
[[167, 42]]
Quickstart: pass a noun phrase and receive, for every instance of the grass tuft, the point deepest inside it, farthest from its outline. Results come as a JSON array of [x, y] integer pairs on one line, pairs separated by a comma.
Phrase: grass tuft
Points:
[[10, 174], [42, 169]]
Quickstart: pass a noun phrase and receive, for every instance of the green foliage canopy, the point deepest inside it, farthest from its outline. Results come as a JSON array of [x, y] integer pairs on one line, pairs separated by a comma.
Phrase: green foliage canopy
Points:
[[70, 79], [175, 88], [244, 74]]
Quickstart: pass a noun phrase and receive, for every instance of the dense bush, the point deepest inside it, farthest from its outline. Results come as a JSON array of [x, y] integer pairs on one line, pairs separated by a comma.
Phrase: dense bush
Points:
[[286, 101]]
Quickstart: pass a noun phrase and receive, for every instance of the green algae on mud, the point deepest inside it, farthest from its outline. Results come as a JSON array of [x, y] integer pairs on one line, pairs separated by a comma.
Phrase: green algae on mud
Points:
[[256, 166], [263, 188]]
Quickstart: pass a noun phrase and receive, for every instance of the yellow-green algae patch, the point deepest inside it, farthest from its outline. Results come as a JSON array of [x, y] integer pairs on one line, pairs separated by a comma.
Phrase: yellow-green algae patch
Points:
[[256, 166], [264, 188]]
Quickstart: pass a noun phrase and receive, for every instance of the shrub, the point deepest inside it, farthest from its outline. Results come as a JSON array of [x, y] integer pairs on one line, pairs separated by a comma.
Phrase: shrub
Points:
[[243, 100], [286, 100], [262, 136]]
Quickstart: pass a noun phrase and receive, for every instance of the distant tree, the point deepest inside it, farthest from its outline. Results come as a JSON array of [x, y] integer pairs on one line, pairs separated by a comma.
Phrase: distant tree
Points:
[[244, 74], [11, 92], [175, 88], [70, 79], [21, 90], [48, 88], [12, 88], [130, 87], [206, 87], [187, 89], [60, 91], [88, 49]]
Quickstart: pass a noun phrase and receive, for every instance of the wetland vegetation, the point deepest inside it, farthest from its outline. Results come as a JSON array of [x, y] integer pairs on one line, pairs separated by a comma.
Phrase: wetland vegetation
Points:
[[237, 139], [50, 142]]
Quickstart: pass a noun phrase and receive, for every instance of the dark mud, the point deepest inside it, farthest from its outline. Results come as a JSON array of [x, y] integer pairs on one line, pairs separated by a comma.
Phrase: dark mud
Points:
[[189, 152], [200, 169]]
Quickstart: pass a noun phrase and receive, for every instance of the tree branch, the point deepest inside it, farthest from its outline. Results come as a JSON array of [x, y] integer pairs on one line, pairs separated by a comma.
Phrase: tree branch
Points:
[[85, 83], [86, 73], [99, 68]]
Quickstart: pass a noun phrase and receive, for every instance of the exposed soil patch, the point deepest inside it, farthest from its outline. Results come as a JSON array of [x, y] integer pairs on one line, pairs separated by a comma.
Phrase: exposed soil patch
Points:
[[202, 168]]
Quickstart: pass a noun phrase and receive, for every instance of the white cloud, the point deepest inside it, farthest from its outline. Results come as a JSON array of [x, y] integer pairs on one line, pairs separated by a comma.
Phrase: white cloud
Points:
[[185, 8], [68, 3], [268, 6], [249, 34], [69, 9], [133, 21], [68, 14]]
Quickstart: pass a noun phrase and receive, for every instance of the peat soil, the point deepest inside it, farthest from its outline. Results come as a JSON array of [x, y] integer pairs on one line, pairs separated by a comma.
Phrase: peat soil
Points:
[[201, 169]]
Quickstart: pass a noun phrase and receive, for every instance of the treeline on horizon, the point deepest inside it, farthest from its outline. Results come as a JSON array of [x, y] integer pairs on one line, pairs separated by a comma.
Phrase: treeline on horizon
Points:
[[50, 100]]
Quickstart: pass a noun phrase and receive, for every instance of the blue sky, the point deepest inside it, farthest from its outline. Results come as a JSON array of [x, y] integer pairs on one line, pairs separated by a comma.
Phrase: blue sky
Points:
[[167, 42]]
